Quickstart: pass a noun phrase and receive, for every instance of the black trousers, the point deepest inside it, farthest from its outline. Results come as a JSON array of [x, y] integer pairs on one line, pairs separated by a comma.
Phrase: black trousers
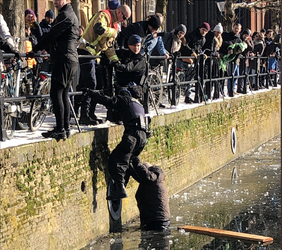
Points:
[[132, 143], [62, 77]]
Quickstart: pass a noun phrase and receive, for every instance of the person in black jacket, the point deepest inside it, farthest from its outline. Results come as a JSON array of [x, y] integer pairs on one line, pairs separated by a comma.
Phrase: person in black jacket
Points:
[[255, 63], [46, 23], [62, 39], [134, 138], [195, 41], [243, 67], [213, 44], [151, 196], [132, 64], [230, 38], [147, 30]]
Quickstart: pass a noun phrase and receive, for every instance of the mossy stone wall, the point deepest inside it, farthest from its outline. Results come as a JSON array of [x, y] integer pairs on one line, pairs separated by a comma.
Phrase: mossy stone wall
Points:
[[53, 193]]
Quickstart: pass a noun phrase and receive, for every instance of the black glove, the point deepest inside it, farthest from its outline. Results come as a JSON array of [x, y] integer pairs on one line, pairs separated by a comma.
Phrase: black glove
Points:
[[30, 54], [17, 55], [98, 29], [119, 66], [176, 54]]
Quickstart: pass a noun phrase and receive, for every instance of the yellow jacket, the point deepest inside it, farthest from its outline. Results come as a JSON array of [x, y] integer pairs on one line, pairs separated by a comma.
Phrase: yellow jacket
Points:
[[103, 42], [30, 61]]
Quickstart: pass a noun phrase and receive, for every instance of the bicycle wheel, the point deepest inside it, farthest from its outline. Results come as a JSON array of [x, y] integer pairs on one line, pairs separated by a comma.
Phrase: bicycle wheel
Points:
[[178, 92], [9, 119], [183, 87], [157, 92], [9, 123], [40, 107]]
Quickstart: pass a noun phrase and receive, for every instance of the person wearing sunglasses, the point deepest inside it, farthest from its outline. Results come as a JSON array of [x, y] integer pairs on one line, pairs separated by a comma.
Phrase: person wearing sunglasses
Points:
[[99, 35]]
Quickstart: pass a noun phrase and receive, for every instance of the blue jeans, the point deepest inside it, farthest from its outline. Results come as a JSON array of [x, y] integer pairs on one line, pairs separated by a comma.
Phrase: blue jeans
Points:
[[235, 69]]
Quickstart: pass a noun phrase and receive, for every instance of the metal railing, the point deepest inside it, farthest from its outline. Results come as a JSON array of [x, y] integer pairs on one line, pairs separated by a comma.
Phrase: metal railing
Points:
[[174, 84]]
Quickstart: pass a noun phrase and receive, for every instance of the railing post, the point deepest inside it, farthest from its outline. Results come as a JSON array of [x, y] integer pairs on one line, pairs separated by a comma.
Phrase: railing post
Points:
[[174, 86], [3, 134], [258, 73], [268, 76], [245, 78]]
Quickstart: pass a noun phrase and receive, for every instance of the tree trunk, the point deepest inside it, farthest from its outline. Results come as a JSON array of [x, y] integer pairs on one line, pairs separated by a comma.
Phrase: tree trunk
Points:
[[76, 8], [229, 15], [161, 8], [13, 13]]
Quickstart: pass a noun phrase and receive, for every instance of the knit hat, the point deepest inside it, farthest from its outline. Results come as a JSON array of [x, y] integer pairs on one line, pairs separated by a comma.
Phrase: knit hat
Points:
[[154, 22], [113, 4], [205, 25], [29, 11], [50, 13], [134, 39], [247, 32], [218, 28], [181, 27]]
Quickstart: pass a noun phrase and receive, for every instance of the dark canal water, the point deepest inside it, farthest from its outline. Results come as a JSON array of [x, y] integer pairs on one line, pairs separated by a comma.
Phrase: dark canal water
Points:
[[250, 202]]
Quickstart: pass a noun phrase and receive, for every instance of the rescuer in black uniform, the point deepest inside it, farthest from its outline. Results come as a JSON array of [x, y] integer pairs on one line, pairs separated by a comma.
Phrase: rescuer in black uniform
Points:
[[135, 134]]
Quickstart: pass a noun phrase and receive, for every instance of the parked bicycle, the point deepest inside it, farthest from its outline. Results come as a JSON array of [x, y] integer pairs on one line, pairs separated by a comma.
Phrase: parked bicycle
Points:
[[15, 82]]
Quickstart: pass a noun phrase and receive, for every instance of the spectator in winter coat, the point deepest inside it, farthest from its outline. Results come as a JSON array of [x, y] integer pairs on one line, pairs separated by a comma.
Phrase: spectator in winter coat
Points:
[[5, 32], [30, 42], [230, 38], [213, 44], [195, 41], [31, 19], [62, 40], [174, 39], [147, 30], [151, 196], [244, 63], [254, 63], [46, 23]]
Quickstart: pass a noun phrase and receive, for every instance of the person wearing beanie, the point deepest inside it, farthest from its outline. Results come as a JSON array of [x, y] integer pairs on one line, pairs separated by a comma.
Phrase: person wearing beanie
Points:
[[113, 4], [132, 64], [147, 30], [46, 23], [31, 20], [195, 41], [213, 44], [101, 30], [173, 40], [218, 28], [134, 138]]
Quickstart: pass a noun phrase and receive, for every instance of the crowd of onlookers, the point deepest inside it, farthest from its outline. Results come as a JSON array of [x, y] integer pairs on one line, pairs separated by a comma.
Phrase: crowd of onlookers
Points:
[[122, 46]]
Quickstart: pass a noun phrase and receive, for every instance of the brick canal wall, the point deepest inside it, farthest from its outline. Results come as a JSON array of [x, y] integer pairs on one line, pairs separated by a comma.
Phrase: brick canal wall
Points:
[[53, 193]]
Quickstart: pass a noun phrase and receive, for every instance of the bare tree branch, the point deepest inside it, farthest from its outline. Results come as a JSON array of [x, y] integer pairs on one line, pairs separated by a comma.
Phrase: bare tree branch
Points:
[[259, 5]]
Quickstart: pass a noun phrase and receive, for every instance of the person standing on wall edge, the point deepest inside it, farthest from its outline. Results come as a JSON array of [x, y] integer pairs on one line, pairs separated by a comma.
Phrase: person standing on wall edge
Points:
[[62, 39], [99, 35]]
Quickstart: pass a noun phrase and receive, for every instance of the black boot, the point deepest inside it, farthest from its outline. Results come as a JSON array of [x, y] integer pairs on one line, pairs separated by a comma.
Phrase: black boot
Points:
[[118, 193], [85, 119]]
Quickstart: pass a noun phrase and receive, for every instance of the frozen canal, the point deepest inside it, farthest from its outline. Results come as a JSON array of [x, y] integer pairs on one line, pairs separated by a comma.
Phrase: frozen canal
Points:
[[249, 203]]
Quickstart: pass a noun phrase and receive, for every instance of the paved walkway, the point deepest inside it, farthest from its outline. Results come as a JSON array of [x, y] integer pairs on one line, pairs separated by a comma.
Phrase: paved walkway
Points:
[[22, 137]]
